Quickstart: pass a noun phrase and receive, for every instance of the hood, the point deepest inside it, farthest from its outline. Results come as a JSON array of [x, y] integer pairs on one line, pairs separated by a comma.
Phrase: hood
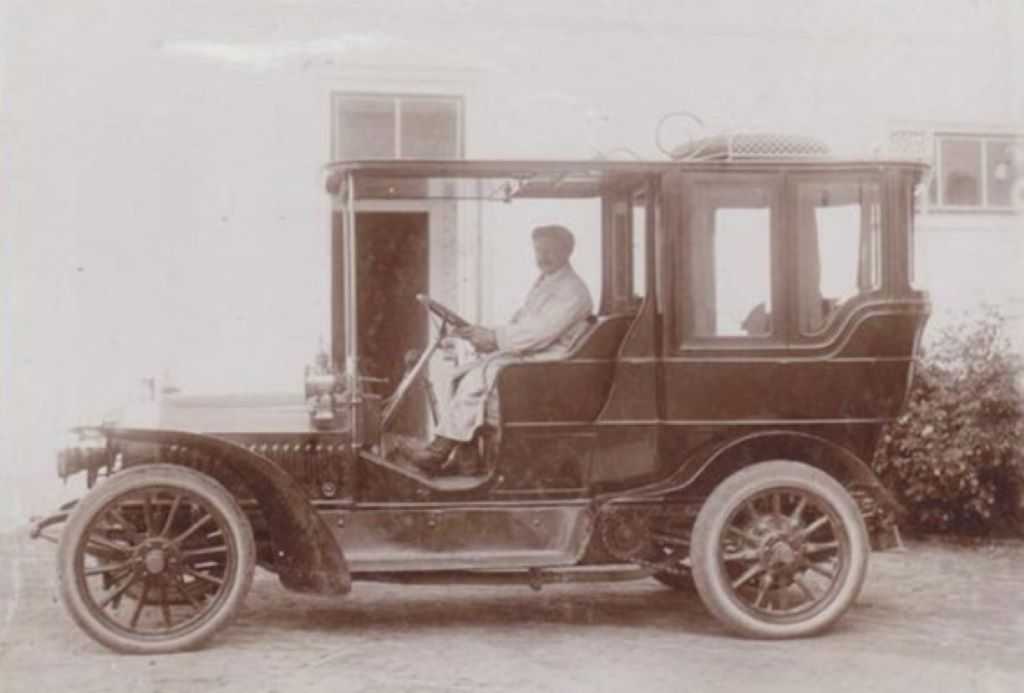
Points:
[[237, 413]]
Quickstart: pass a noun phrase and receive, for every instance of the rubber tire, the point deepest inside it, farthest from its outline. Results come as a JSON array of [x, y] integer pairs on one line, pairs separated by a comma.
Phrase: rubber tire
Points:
[[212, 492], [712, 584]]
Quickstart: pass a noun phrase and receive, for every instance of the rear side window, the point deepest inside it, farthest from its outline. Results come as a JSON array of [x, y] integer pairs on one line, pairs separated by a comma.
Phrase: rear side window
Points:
[[728, 253], [639, 246], [838, 247]]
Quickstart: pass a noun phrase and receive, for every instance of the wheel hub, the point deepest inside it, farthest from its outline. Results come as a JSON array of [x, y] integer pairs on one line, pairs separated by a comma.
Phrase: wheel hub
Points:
[[155, 562], [156, 555], [781, 554]]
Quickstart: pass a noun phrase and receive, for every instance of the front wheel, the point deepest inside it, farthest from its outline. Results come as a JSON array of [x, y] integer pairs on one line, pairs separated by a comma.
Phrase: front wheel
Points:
[[779, 550], [156, 559]]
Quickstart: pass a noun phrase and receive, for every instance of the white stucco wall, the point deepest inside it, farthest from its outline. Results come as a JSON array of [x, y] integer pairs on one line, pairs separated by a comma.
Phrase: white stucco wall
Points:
[[162, 208], [969, 262]]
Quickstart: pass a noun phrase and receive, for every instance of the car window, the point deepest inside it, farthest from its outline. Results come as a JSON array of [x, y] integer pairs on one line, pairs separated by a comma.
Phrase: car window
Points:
[[729, 258], [639, 246], [838, 239]]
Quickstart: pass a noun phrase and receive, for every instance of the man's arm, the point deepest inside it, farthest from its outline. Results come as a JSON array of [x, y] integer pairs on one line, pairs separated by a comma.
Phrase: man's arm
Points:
[[481, 337], [567, 306]]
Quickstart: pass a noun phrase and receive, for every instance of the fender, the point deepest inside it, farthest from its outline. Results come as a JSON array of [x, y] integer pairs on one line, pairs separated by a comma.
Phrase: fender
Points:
[[307, 557], [701, 476]]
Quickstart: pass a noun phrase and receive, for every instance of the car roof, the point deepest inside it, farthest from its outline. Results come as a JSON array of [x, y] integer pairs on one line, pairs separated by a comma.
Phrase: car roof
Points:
[[502, 179]]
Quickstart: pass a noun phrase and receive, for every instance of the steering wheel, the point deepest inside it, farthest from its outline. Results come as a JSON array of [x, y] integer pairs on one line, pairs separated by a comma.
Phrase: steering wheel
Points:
[[451, 319], [442, 311]]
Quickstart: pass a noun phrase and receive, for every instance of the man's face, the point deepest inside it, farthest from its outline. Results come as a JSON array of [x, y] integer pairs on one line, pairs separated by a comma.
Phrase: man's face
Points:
[[551, 254]]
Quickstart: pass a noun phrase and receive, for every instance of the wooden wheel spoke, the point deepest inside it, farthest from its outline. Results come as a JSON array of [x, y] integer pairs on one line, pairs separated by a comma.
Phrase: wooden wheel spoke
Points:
[[752, 510], [107, 569], [165, 606], [783, 601], [777, 504], [170, 515], [192, 530], [821, 570], [745, 555], [818, 547], [132, 579], [141, 603], [205, 551], [107, 545], [762, 589], [805, 588], [798, 511], [179, 584], [745, 536], [147, 514], [747, 574], [811, 528], [128, 527], [203, 576]]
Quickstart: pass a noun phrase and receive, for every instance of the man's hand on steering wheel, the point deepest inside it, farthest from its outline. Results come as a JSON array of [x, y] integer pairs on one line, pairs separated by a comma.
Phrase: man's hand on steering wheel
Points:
[[456, 326], [449, 316], [482, 338]]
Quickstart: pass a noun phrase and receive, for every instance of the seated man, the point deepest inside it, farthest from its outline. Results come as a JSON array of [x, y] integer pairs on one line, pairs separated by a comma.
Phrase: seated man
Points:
[[546, 327]]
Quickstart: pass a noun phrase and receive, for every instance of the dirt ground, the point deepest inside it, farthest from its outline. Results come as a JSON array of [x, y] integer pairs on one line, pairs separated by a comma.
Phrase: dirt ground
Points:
[[936, 618]]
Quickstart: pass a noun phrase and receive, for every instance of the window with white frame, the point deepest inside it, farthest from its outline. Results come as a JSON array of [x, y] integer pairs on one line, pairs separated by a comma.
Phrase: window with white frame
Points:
[[970, 171], [395, 126], [728, 250]]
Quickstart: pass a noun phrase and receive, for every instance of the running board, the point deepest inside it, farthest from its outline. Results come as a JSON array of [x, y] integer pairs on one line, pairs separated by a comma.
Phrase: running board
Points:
[[535, 578]]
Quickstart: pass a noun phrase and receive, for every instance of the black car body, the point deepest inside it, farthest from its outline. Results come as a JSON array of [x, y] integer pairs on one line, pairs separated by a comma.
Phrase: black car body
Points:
[[726, 454]]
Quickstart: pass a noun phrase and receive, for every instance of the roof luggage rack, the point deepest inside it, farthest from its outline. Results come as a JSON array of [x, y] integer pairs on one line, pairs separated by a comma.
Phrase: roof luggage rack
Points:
[[755, 146]]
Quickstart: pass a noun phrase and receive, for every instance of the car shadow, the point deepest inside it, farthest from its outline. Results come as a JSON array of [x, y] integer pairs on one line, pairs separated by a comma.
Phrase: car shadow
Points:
[[386, 607]]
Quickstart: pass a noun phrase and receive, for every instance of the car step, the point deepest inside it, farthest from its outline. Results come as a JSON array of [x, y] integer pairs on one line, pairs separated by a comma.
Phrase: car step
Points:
[[535, 578]]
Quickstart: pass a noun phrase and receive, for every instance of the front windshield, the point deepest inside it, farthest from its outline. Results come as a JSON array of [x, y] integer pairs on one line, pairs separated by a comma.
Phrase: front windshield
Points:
[[466, 240], [479, 224]]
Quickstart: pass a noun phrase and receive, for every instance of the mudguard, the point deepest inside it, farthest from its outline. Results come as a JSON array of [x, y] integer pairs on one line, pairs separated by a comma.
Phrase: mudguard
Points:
[[699, 476], [306, 555]]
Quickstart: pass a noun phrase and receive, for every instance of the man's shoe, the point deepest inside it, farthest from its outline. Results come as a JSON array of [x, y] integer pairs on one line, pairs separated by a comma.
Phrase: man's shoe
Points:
[[431, 458]]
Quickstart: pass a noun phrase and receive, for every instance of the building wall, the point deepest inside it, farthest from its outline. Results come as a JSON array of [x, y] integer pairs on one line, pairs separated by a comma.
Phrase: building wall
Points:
[[162, 208], [967, 263]]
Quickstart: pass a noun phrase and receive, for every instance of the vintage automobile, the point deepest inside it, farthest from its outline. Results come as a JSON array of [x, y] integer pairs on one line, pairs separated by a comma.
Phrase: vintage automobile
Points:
[[757, 326]]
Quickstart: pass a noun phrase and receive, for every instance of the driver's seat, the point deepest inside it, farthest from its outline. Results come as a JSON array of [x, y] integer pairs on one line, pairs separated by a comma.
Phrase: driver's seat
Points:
[[573, 389]]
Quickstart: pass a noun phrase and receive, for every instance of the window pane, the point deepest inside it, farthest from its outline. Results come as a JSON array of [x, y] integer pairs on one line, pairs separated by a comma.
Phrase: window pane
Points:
[[729, 256], [961, 172], [620, 260], [639, 246], [430, 129], [1002, 171], [365, 128], [839, 236]]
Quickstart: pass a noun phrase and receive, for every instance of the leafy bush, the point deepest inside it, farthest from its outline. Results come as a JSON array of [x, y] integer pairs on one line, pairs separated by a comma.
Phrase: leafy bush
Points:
[[956, 458]]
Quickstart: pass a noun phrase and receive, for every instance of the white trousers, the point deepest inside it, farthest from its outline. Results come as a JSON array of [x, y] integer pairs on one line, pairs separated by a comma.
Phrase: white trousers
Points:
[[475, 399]]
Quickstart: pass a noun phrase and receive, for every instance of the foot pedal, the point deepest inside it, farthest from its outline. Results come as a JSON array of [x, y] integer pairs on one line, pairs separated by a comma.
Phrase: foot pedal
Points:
[[463, 461]]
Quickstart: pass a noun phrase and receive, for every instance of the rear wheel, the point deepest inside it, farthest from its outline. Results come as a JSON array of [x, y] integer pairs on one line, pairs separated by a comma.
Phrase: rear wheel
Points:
[[156, 559], [779, 550]]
